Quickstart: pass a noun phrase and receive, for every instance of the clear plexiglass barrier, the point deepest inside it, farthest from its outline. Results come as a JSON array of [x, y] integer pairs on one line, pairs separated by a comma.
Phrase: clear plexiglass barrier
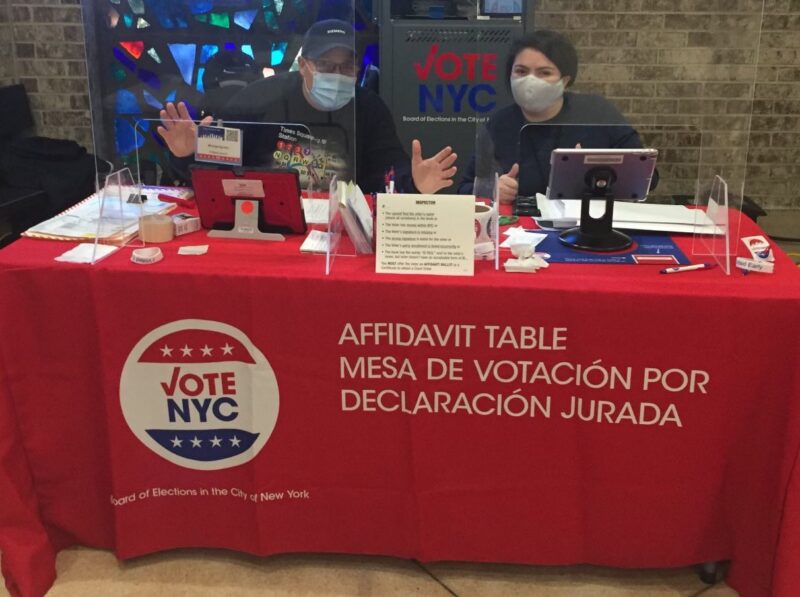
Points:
[[118, 213], [718, 213], [395, 95]]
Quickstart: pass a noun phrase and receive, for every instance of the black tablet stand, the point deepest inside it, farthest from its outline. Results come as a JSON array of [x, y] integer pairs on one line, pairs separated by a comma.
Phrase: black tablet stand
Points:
[[596, 234]]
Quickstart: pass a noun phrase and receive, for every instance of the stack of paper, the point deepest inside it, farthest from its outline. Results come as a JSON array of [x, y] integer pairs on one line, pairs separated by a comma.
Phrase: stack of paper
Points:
[[634, 216], [316, 211], [317, 241], [87, 253]]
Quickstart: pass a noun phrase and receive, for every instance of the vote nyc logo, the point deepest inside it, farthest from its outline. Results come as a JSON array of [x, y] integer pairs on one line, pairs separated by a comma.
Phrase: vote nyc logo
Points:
[[199, 394]]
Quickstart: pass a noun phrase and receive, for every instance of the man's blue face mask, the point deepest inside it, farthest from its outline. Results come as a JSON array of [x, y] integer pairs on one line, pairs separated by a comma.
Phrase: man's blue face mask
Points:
[[331, 91]]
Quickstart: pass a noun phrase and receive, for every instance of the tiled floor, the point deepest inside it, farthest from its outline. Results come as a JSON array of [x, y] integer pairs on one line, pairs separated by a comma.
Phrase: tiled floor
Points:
[[90, 573], [203, 573]]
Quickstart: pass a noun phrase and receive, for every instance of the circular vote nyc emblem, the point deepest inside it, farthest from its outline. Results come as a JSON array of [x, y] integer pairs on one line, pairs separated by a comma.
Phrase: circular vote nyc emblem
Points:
[[199, 394]]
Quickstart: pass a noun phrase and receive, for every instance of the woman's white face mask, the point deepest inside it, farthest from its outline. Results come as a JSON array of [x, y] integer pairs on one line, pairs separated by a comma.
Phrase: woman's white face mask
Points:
[[535, 95]]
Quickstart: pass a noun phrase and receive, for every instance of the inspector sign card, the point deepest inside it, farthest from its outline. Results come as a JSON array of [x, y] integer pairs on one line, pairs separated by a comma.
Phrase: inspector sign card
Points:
[[426, 234]]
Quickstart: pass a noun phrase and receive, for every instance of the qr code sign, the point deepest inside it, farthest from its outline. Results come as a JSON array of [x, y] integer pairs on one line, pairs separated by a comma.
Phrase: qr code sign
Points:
[[232, 135]]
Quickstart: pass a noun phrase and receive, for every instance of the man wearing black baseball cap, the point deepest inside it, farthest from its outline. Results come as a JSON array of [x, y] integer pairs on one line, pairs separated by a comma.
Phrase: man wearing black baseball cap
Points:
[[323, 95]]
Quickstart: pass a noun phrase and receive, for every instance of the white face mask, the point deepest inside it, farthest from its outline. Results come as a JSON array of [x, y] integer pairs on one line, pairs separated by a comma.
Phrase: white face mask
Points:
[[533, 94], [331, 91]]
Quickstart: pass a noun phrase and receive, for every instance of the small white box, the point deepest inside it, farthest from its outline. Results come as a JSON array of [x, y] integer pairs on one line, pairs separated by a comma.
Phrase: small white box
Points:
[[184, 224]]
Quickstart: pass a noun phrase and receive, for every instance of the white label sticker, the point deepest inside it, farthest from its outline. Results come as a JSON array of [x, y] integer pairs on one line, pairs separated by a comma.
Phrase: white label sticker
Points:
[[238, 188], [603, 159]]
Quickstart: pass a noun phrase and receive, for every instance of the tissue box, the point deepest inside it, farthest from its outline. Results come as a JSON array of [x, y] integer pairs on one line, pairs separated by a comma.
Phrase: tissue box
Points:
[[184, 224]]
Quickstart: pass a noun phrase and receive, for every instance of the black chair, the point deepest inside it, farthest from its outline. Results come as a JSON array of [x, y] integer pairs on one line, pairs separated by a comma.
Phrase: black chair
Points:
[[18, 205], [39, 176]]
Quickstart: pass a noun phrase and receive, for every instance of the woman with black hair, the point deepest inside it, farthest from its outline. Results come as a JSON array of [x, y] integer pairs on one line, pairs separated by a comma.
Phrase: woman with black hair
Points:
[[518, 139]]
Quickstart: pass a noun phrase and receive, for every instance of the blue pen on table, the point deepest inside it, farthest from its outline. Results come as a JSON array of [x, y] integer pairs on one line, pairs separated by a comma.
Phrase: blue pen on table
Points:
[[688, 268]]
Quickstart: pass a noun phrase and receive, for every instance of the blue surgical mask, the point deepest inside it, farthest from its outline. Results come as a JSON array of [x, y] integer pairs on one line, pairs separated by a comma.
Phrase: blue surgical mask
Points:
[[331, 91]]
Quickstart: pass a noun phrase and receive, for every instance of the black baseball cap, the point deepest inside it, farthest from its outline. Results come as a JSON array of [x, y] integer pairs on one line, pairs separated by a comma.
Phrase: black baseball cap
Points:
[[327, 35]]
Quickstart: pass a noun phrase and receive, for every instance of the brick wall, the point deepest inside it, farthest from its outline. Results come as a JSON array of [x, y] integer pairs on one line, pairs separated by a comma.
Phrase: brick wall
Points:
[[49, 59], [696, 64], [679, 64], [774, 164], [7, 70]]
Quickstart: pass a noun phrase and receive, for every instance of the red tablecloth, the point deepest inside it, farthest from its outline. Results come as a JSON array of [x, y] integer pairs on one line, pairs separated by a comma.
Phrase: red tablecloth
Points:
[[101, 407]]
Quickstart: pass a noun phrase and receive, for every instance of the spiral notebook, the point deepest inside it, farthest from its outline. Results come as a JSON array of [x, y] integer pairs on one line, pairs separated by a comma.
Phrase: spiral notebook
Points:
[[82, 221]]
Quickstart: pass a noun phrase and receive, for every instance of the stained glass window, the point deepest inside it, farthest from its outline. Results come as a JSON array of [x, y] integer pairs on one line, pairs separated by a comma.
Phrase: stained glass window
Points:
[[127, 103], [150, 52], [207, 52], [271, 14], [245, 18], [137, 6], [278, 52], [200, 72], [117, 73], [134, 48], [200, 6], [149, 78], [184, 57], [152, 100], [127, 138], [123, 58], [113, 17], [220, 19]]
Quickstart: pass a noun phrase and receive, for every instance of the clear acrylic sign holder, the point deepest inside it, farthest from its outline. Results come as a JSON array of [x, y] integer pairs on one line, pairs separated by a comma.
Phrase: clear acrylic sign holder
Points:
[[487, 193], [335, 229], [118, 215], [496, 222], [340, 241], [717, 220]]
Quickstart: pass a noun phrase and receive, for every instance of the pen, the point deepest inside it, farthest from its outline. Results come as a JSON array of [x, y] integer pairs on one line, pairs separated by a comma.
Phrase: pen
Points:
[[388, 180], [688, 268]]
